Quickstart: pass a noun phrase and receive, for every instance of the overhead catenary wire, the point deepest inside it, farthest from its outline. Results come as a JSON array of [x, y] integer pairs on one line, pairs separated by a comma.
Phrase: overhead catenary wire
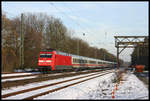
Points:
[[77, 14], [69, 17], [70, 9], [86, 24], [79, 25]]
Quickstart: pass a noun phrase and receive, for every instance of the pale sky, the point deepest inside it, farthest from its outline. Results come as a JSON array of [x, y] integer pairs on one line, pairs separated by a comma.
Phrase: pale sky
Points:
[[100, 21]]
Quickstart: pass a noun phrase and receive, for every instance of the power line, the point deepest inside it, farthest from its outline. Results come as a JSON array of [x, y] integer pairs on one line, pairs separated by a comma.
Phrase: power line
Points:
[[79, 16], [70, 10], [77, 22], [68, 16]]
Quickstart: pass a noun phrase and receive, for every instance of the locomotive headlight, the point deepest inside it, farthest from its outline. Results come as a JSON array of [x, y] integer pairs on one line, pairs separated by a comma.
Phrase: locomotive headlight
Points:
[[41, 61], [48, 61]]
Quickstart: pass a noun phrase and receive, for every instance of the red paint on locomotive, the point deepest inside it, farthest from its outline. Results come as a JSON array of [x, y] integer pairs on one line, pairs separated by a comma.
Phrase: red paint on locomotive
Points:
[[63, 60], [52, 59]]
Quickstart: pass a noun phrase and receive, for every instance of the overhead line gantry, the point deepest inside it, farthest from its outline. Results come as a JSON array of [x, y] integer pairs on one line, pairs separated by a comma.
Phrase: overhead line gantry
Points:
[[128, 42]]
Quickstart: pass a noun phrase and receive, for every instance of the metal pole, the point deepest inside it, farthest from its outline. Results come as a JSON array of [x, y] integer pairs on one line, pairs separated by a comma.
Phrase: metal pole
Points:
[[78, 47], [118, 58], [22, 41], [104, 56], [22, 44], [95, 53], [138, 54]]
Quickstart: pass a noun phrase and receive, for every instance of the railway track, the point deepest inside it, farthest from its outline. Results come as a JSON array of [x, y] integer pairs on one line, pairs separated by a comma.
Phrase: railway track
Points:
[[19, 76], [25, 75], [85, 78], [41, 77], [12, 72]]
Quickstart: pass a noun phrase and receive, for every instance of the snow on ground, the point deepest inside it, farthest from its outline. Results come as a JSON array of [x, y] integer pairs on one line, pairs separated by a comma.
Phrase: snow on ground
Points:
[[98, 88], [132, 88], [20, 78], [86, 90], [18, 74], [101, 88], [31, 85]]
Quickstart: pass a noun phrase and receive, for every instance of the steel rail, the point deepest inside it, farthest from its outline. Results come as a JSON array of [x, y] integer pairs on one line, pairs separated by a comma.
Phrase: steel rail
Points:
[[19, 76], [59, 88], [43, 76], [35, 88]]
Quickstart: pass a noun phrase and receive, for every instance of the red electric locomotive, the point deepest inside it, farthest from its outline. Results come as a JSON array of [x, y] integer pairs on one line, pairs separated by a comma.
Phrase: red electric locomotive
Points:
[[51, 59], [54, 60]]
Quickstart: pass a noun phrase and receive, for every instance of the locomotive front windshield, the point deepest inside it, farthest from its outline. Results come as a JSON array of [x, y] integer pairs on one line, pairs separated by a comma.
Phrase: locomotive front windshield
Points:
[[45, 55]]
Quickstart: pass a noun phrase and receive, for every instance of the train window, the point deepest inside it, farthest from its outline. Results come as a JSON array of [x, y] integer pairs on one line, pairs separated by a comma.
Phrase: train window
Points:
[[78, 61], [93, 62], [81, 61], [45, 55], [74, 60], [99, 62], [90, 61], [85, 61]]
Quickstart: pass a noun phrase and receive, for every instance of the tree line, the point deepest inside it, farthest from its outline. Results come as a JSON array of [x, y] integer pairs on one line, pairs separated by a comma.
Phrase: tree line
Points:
[[140, 55], [41, 32]]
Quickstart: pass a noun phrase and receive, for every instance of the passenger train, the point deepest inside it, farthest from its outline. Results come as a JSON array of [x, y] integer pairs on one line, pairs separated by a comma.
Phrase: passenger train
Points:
[[49, 60]]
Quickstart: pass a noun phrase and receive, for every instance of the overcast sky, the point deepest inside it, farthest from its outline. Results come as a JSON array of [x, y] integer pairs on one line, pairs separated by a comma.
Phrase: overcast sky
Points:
[[100, 21]]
